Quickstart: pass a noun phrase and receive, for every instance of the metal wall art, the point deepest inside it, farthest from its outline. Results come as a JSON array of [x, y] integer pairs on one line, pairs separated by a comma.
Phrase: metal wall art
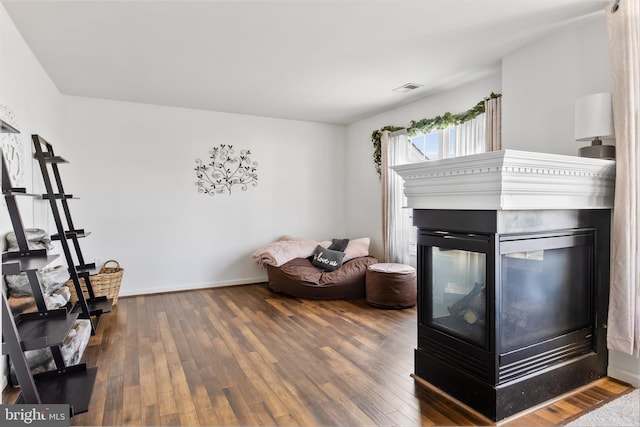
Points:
[[12, 148], [225, 170]]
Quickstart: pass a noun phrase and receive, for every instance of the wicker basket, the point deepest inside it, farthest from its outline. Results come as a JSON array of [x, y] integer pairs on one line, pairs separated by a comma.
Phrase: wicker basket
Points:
[[105, 283]]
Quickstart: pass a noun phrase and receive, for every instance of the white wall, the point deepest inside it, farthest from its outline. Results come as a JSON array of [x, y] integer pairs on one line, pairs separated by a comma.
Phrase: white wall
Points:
[[364, 192], [540, 83], [27, 91], [133, 167]]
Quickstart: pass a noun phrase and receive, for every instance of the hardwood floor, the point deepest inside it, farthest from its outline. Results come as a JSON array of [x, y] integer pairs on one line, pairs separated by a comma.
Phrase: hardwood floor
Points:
[[245, 356]]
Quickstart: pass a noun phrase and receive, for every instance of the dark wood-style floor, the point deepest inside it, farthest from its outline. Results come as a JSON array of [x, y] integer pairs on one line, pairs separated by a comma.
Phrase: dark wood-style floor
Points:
[[244, 356]]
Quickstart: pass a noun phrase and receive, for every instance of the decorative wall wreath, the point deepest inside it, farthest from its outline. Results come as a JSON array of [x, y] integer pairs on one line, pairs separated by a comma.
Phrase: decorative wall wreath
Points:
[[224, 170]]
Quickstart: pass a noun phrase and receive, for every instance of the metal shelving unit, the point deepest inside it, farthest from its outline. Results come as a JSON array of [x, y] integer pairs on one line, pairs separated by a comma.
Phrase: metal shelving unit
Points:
[[45, 328], [94, 306]]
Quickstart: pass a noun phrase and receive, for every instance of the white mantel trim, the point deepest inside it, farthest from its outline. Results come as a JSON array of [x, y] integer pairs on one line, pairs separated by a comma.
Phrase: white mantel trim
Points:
[[510, 180]]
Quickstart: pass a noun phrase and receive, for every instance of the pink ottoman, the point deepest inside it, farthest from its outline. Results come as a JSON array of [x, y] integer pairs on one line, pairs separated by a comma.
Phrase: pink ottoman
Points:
[[390, 285]]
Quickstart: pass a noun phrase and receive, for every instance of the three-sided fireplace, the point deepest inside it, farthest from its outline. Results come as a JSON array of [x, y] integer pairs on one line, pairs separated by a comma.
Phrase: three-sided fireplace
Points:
[[513, 275], [511, 304]]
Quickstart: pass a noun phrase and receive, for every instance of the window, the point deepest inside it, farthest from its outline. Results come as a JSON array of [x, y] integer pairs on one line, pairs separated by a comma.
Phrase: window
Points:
[[453, 141], [439, 144], [456, 140]]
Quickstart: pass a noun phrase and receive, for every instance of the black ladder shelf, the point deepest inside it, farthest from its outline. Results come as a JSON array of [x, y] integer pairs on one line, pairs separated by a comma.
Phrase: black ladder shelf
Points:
[[93, 306], [70, 385]]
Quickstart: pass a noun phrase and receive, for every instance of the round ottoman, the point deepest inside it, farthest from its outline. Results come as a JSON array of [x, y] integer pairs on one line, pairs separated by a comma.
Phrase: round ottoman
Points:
[[390, 285]]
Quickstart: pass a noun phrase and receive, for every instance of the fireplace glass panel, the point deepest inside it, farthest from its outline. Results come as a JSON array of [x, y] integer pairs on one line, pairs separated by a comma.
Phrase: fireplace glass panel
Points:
[[458, 293], [545, 293]]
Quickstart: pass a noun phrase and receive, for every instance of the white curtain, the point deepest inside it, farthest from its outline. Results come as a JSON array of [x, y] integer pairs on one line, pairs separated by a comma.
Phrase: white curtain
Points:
[[397, 149], [623, 333], [396, 222], [470, 136]]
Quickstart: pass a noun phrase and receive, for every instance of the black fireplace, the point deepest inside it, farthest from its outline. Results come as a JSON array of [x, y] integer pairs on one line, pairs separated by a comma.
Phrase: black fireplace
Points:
[[511, 304]]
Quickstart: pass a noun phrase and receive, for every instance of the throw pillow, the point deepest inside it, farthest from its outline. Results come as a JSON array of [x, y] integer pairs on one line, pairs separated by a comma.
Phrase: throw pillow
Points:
[[357, 248], [327, 259], [339, 244]]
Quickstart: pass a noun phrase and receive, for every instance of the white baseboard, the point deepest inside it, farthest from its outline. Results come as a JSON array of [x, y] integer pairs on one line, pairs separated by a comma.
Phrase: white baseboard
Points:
[[624, 367], [190, 287], [629, 377]]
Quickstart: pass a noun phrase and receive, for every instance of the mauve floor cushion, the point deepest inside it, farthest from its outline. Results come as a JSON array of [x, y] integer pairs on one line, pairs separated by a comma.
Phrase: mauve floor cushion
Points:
[[300, 278], [391, 285]]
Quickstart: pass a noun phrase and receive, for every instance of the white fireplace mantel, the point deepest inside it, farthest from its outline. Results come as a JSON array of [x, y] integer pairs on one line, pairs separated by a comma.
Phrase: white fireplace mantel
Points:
[[509, 180]]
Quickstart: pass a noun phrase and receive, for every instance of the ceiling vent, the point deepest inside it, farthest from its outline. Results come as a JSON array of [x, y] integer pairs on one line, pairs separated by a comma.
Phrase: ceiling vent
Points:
[[407, 87]]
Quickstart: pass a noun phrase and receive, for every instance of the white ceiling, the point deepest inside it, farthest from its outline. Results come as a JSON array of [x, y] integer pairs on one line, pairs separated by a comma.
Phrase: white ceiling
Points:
[[324, 61]]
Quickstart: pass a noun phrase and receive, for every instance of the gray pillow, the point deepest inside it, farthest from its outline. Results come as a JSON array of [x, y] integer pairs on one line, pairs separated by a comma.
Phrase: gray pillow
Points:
[[327, 259], [339, 244]]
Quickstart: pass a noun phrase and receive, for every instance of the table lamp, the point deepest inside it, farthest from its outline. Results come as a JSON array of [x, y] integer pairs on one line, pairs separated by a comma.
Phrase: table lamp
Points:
[[594, 122]]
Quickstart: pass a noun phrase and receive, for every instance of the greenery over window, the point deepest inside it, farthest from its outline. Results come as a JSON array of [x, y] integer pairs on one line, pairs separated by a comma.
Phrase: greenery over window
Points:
[[428, 126]]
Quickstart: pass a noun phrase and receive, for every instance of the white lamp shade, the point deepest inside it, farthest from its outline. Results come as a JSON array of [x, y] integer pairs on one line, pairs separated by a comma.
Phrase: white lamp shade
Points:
[[594, 117]]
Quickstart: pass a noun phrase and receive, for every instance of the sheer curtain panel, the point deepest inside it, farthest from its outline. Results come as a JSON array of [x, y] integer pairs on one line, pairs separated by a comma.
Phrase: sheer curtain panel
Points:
[[623, 332], [470, 136], [396, 218]]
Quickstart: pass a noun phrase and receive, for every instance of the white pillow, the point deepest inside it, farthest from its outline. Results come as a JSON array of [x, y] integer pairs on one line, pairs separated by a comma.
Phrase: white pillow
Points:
[[357, 248]]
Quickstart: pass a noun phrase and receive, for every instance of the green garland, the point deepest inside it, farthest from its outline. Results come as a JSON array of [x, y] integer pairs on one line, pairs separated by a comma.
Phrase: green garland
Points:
[[377, 152], [427, 126]]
